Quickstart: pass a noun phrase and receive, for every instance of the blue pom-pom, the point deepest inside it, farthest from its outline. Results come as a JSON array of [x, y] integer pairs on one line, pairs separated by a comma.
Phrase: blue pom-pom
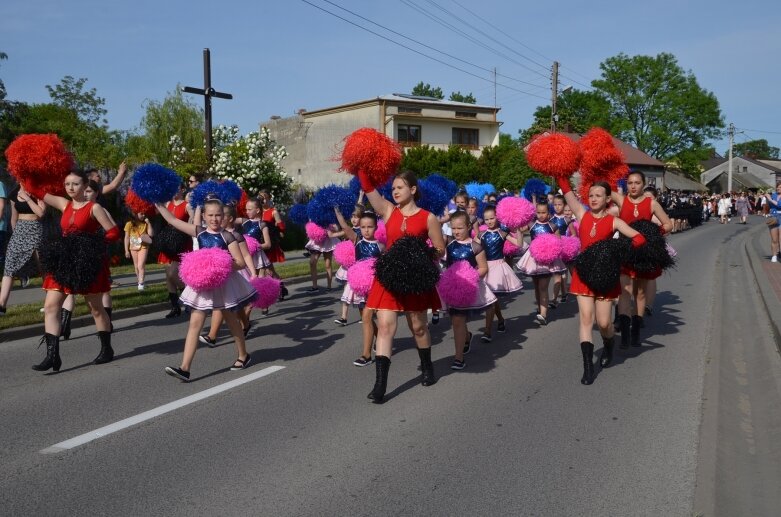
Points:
[[535, 187], [229, 191], [622, 185], [298, 214], [385, 190], [354, 185], [199, 193], [447, 185], [479, 190], [432, 197], [155, 184], [320, 209]]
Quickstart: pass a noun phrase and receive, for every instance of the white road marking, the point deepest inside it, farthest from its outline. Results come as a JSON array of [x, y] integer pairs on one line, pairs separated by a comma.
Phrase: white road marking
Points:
[[160, 410]]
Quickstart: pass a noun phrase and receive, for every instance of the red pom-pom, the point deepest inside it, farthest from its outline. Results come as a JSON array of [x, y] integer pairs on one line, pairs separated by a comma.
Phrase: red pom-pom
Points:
[[458, 284], [599, 154], [268, 289], [39, 162], [373, 152], [241, 206], [554, 155], [344, 253], [612, 175], [138, 205]]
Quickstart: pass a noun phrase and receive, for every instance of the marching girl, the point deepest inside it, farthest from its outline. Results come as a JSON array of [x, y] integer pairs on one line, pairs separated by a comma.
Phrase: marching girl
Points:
[[474, 220], [138, 237], [596, 224], [326, 249], [636, 206], [21, 259], [341, 273], [500, 278], [541, 274], [366, 246], [562, 223], [179, 208], [78, 215], [256, 228], [402, 219], [271, 217], [463, 247], [230, 298]]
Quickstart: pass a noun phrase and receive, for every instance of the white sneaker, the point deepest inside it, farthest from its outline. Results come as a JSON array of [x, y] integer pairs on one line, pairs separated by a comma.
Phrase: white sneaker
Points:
[[774, 259], [141, 287]]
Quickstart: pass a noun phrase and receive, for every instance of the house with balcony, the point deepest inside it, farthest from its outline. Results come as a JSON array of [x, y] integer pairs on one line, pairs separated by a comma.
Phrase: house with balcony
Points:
[[313, 139]]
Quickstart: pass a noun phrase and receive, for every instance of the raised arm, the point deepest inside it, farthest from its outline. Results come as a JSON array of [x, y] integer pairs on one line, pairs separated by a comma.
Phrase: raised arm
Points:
[[189, 229], [382, 206], [617, 198], [349, 233], [111, 187], [572, 201], [37, 206]]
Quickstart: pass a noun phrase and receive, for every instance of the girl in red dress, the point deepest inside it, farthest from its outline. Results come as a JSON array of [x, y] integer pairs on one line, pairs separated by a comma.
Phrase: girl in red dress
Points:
[[178, 207], [636, 206], [84, 216], [595, 225], [403, 219]]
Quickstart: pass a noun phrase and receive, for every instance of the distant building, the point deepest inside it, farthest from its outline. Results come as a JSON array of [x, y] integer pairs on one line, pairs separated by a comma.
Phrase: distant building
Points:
[[313, 139], [747, 174]]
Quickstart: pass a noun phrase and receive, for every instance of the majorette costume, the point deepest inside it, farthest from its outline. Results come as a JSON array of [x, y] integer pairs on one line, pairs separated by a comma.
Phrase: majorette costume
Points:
[[275, 253], [528, 266], [254, 229], [234, 294], [396, 227], [631, 212], [363, 250], [180, 212], [468, 250], [500, 278], [560, 222], [593, 230]]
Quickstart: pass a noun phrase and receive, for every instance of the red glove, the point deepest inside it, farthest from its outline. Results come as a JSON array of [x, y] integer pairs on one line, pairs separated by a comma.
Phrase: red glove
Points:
[[112, 235], [564, 185], [281, 226], [638, 240], [366, 183], [661, 229]]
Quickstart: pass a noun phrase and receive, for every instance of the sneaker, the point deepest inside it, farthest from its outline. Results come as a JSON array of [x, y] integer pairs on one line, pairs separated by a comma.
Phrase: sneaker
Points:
[[114, 284], [244, 364], [178, 373], [458, 365], [306, 254], [141, 287], [552, 304], [540, 320], [774, 258], [435, 318], [342, 322], [312, 289], [500, 326], [467, 345], [206, 340], [485, 338], [362, 361]]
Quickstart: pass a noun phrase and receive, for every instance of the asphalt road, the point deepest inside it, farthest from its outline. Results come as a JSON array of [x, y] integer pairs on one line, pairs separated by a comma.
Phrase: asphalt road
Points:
[[666, 431]]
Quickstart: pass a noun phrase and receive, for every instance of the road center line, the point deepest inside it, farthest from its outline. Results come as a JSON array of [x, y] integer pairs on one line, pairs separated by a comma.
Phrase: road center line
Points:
[[160, 410]]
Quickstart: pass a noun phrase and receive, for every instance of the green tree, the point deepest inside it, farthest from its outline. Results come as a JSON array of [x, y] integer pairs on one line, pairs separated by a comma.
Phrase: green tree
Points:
[[426, 90], [505, 165], [578, 111], [755, 149], [87, 105], [459, 97], [657, 106]]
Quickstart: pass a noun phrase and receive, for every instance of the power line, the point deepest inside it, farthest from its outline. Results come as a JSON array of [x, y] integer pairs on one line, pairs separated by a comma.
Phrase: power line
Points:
[[419, 52], [760, 131]]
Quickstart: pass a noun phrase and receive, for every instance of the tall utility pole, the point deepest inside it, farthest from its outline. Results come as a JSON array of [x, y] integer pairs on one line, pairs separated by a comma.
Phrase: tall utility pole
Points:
[[494, 87], [731, 133], [208, 92], [554, 95]]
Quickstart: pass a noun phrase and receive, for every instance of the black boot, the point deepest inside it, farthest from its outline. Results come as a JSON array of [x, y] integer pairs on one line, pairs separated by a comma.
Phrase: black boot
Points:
[[428, 378], [282, 291], [65, 324], [378, 393], [175, 309], [588, 362], [623, 324], [637, 324], [607, 351], [110, 322], [52, 359], [106, 352]]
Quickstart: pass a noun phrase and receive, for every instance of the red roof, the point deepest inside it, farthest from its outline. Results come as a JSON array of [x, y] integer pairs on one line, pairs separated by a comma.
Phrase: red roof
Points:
[[633, 155]]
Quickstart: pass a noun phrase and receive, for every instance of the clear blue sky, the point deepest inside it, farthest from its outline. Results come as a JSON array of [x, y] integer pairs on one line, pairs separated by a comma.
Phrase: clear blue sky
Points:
[[276, 57]]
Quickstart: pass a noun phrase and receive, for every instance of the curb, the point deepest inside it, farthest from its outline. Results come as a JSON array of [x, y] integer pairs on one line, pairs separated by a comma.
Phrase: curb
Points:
[[36, 330], [768, 296]]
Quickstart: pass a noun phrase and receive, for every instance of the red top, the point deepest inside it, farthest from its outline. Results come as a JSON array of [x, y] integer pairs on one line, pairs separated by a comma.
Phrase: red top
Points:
[[275, 253], [180, 212], [415, 225], [602, 229], [631, 212]]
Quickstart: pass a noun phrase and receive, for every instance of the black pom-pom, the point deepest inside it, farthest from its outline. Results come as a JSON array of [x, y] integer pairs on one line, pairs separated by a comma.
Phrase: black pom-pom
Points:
[[74, 260], [599, 265], [408, 267], [171, 242], [651, 256]]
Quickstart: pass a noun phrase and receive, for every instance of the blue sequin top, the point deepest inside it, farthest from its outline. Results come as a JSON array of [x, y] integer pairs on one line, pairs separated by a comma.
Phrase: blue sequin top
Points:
[[206, 239], [561, 223], [253, 229], [461, 251], [539, 228], [367, 249], [493, 244]]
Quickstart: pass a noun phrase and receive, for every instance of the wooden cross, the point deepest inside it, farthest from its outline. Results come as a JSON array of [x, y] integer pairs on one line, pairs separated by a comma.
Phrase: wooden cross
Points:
[[208, 92]]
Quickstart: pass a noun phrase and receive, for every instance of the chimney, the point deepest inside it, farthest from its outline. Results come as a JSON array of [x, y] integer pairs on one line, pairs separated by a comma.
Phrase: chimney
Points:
[[275, 117]]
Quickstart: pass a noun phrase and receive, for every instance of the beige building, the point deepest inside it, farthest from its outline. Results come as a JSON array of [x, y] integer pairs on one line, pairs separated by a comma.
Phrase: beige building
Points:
[[313, 139]]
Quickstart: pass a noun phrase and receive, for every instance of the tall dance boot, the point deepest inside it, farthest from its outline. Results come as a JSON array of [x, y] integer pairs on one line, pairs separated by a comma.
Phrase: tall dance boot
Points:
[[606, 359], [381, 383], [623, 324], [637, 324], [175, 309], [52, 359], [106, 352], [282, 291], [110, 319], [65, 324], [427, 378], [587, 349]]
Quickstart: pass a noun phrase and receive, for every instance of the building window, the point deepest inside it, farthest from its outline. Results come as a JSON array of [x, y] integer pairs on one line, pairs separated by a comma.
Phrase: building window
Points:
[[466, 114], [409, 111], [466, 137], [409, 135]]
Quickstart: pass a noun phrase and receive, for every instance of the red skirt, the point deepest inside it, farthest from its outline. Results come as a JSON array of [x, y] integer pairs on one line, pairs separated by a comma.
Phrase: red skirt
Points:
[[102, 283], [383, 300], [631, 273], [275, 254], [163, 258], [577, 287]]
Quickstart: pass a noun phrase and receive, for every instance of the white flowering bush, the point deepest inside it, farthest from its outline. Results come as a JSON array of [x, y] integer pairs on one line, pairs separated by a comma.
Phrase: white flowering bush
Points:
[[254, 161], [183, 160]]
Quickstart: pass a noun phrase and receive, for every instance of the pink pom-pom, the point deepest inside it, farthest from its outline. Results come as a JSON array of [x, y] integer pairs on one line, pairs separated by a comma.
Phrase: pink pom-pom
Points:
[[482, 227], [554, 155], [316, 233], [206, 268], [252, 244], [515, 212], [344, 253], [381, 234], [360, 276], [545, 248], [510, 250], [458, 284], [268, 289], [570, 247]]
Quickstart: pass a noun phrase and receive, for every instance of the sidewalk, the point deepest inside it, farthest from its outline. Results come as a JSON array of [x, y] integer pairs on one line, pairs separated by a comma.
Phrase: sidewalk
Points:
[[767, 275]]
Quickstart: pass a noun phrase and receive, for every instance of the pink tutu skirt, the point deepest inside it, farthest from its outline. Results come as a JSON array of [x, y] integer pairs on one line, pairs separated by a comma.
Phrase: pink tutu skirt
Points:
[[501, 278], [261, 260], [528, 266], [350, 297], [341, 274], [234, 294], [326, 246], [485, 297]]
